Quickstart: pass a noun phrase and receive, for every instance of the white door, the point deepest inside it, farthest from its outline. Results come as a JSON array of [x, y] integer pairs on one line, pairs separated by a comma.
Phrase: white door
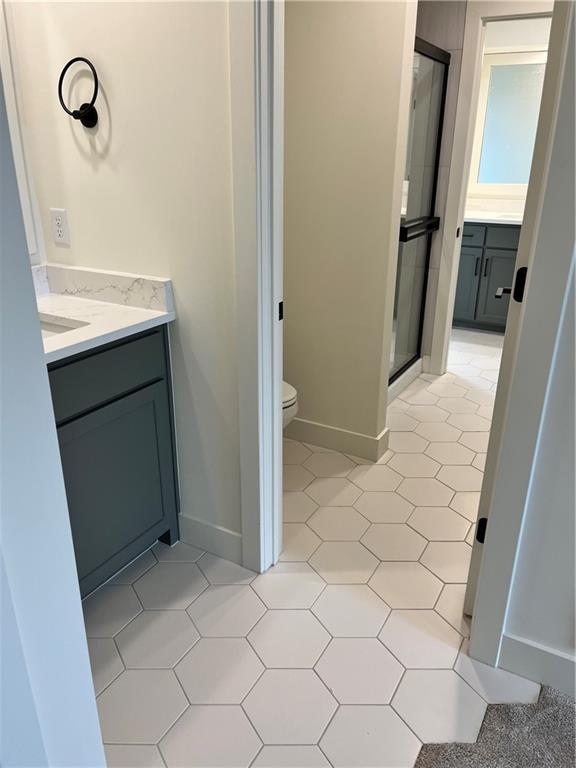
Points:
[[528, 352]]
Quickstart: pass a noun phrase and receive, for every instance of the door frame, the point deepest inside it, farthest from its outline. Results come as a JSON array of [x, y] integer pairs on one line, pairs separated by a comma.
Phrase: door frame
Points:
[[478, 12], [528, 356]]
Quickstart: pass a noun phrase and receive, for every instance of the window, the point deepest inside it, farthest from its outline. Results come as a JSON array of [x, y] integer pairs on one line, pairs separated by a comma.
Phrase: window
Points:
[[510, 94]]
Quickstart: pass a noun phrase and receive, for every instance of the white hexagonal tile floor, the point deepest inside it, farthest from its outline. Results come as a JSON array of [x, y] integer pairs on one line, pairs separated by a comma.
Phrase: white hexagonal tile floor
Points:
[[289, 639], [290, 706], [359, 671], [375, 563], [219, 671]]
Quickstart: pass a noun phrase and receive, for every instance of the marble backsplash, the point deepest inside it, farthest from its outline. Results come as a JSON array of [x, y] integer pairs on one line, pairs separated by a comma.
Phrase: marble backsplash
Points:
[[103, 285]]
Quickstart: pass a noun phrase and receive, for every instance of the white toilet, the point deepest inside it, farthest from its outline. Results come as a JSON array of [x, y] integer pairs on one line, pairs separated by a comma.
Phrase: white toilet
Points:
[[289, 403]]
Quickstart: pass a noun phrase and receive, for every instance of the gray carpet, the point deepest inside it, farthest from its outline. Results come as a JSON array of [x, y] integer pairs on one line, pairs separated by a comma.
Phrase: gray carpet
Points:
[[540, 735]]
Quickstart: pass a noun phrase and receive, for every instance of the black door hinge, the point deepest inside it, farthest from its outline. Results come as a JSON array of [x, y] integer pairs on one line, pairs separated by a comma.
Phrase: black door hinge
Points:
[[281, 311], [520, 284], [481, 529]]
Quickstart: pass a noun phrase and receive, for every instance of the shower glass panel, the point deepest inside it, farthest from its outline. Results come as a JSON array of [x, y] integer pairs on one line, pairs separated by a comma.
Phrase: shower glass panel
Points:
[[418, 222]]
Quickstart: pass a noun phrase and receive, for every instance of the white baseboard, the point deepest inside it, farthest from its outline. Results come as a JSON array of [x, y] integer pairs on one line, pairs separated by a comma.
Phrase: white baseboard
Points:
[[541, 663], [403, 381], [354, 443], [212, 538]]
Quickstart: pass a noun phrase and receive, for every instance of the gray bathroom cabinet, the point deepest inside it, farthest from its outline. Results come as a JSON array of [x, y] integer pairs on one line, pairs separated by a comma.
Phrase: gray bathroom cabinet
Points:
[[113, 409], [487, 260]]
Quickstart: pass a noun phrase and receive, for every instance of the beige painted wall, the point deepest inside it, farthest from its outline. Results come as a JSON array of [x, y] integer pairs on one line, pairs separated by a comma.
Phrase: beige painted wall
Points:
[[150, 191], [347, 89]]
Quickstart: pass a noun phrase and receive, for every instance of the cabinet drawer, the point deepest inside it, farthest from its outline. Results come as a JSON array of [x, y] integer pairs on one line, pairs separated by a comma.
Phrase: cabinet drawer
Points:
[[473, 234], [503, 237], [82, 384]]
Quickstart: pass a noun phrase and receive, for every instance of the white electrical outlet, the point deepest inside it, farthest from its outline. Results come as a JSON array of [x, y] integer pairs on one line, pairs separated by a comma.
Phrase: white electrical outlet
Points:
[[60, 231]]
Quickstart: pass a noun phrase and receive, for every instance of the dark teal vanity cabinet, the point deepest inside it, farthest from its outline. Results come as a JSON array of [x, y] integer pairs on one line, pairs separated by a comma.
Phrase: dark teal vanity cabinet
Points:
[[113, 409], [487, 260]]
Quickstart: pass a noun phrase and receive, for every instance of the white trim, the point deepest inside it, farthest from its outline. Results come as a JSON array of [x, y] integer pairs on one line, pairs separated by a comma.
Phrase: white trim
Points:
[[258, 27], [212, 538], [343, 440], [541, 663], [477, 13], [489, 60], [529, 348], [403, 381], [28, 200]]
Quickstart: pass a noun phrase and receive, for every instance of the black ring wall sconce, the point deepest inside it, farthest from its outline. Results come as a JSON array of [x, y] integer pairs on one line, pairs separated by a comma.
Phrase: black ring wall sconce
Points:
[[87, 113]]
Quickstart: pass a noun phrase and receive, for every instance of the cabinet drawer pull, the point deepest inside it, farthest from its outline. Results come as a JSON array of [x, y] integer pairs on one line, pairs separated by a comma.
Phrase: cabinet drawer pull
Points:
[[486, 267], [476, 266]]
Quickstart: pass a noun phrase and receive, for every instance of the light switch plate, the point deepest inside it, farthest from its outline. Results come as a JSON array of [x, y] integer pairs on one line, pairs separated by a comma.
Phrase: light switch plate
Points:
[[60, 230]]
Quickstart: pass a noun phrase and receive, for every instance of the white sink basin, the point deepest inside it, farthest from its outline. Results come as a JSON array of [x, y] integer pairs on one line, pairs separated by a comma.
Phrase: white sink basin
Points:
[[51, 325]]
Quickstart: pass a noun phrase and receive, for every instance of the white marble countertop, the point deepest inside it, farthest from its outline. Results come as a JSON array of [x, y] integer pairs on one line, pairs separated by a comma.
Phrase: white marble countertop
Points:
[[492, 217], [81, 309]]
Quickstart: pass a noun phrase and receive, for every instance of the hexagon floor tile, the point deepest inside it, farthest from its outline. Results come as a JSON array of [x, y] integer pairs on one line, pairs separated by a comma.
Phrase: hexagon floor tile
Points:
[[338, 523], [105, 662], [466, 504], [359, 671], [375, 477], [393, 541], [351, 610], [211, 736], [333, 492], [440, 432], [219, 671], [424, 492], [226, 611], [414, 465], [450, 606], [439, 524], [406, 585], [220, 571], [461, 478], [135, 569], [299, 542], [290, 757], [289, 639], [170, 586], [156, 639], [329, 465], [407, 442], [109, 609], [439, 706], [384, 507], [296, 478], [476, 441], [369, 737], [294, 452], [140, 706], [297, 506], [421, 639], [290, 706], [450, 560], [289, 585], [133, 756], [450, 453], [344, 562]]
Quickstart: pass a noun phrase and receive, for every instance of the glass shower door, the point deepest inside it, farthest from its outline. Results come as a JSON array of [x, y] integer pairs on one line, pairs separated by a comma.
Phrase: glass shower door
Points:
[[430, 70]]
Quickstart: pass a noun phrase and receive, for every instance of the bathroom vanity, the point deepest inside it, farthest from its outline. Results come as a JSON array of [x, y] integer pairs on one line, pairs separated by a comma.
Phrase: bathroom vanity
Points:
[[487, 262], [109, 372]]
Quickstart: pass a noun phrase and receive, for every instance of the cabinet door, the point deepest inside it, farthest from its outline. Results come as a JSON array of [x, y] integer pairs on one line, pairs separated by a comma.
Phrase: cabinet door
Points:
[[497, 271], [468, 281], [118, 471]]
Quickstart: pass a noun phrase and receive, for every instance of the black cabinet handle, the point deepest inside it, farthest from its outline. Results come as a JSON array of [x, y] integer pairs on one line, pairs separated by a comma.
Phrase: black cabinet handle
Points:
[[476, 266], [486, 267]]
